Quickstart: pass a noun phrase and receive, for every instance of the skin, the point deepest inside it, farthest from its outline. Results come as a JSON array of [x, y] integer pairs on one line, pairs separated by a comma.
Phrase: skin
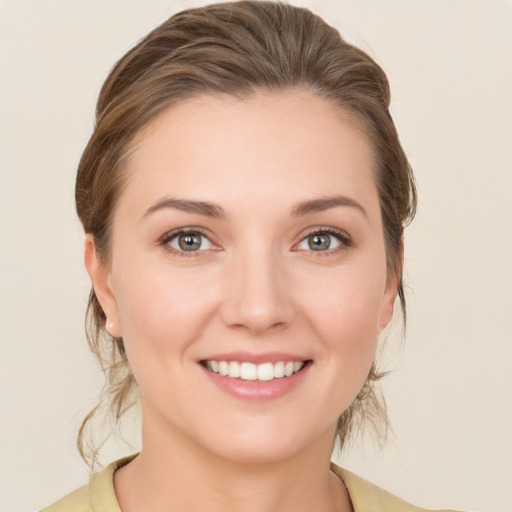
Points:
[[256, 286]]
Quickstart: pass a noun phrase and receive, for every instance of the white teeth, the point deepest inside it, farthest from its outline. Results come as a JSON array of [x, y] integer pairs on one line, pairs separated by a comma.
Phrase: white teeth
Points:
[[265, 371], [250, 371], [279, 370], [234, 369], [223, 368]]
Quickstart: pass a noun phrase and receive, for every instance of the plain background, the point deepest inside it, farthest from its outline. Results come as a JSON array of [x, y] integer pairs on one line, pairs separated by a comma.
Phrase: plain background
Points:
[[449, 396]]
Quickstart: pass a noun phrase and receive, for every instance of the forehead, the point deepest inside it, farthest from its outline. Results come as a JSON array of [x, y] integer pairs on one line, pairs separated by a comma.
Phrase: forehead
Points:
[[273, 146]]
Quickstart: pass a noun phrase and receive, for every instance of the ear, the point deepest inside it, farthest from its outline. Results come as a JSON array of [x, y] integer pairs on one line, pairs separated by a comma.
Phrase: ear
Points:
[[393, 282], [101, 281]]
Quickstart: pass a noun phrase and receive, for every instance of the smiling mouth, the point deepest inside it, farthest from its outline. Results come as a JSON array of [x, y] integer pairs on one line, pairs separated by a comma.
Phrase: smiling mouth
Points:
[[263, 372]]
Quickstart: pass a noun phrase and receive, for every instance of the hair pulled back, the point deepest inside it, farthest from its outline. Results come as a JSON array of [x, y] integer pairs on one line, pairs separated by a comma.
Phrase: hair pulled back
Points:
[[236, 48]]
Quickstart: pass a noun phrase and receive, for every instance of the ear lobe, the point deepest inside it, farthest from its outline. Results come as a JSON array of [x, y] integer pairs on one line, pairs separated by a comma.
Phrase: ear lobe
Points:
[[100, 277], [390, 293], [388, 304]]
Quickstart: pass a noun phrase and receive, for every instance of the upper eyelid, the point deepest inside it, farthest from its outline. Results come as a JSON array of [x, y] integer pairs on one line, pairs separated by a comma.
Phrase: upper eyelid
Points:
[[326, 229], [179, 231]]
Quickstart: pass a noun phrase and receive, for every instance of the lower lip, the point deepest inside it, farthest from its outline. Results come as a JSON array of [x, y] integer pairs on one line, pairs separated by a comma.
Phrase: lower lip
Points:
[[257, 390]]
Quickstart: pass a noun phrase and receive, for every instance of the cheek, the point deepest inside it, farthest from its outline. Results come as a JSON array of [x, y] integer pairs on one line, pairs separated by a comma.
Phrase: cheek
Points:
[[162, 312], [346, 303], [343, 312]]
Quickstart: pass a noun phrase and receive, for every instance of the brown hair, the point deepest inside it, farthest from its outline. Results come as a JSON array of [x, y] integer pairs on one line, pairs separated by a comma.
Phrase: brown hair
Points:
[[235, 48]]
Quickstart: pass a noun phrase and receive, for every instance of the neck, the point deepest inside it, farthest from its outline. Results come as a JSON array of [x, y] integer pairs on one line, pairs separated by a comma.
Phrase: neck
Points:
[[174, 473]]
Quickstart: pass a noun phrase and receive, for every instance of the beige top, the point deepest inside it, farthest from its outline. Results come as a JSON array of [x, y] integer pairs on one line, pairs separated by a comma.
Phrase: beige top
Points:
[[99, 495]]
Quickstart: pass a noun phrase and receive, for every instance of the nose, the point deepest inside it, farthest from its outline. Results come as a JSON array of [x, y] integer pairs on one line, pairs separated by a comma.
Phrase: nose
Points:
[[258, 292]]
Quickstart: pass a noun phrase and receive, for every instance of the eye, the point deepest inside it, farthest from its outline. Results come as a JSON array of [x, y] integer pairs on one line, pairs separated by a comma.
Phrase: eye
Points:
[[323, 240], [187, 241]]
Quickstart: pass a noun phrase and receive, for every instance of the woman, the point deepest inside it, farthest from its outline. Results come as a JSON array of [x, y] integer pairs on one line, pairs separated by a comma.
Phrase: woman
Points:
[[244, 196]]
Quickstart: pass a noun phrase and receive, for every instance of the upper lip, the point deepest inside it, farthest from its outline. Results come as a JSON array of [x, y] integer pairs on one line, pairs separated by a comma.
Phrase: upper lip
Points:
[[268, 357]]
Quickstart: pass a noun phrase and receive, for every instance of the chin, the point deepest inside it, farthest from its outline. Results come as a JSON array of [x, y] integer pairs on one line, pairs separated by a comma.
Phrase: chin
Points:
[[265, 444]]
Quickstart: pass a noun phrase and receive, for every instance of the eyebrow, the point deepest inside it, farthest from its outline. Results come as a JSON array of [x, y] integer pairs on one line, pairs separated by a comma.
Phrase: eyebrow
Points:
[[187, 205], [325, 203], [217, 212]]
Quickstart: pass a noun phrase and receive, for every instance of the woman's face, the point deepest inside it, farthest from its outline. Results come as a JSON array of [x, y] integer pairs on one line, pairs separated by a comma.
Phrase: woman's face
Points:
[[248, 240]]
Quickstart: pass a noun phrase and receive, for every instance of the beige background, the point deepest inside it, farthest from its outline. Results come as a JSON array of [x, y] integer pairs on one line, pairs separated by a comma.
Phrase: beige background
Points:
[[450, 65]]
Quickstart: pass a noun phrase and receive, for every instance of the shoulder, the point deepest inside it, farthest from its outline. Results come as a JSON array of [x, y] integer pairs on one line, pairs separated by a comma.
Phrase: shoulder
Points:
[[368, 497], [97, 496], [77, 501]]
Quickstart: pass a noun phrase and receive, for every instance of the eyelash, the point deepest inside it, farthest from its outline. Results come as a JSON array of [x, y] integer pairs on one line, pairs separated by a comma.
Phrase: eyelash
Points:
[[341, 236]]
